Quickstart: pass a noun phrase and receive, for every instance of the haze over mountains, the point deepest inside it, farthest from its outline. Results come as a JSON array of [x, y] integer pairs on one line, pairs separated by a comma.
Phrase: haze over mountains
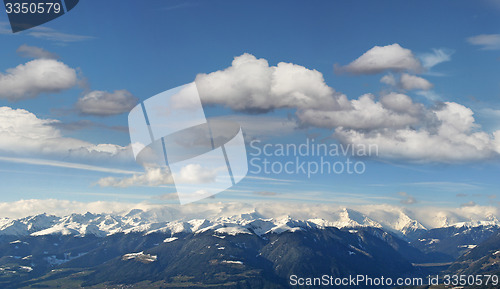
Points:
[[263, 218], [235, 245]]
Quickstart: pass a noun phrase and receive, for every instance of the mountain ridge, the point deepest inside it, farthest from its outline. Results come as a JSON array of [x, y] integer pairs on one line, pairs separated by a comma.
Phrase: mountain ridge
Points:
[[166, 221]]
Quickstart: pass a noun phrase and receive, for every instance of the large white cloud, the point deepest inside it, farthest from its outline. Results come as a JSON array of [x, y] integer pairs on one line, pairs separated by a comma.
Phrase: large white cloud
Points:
[[23, 133], [104, 103], [452, 139], [36, 77], [382, 58], [250, 84], [402, 128], [393, 111]]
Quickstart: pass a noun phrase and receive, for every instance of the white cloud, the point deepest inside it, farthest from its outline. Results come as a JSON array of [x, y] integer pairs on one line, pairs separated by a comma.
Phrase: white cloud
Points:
[[36, 77], [407, 82], [430, 95], [35, 52], [453, 138], [153, 177], [250, 84], [104, 103], [486, 41], [382, 58], [393, 111], [389, 79], [411, 82], [437, 56], [68, 165], [24, 208], [23, 133], [54, 35], [402, 128], [261, 126], [196, 174]]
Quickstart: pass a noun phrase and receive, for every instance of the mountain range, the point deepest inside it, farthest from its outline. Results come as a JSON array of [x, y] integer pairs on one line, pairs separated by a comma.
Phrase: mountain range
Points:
[[164, 247]]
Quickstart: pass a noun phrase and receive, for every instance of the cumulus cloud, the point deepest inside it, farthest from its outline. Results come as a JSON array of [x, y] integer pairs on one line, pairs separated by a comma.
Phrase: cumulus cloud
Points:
[[383, 58], [35, 52], [23, 133], [251, 84], [36, 77], [410, 82], [402, 128], [102, 103], [451, 137], [486, 41], [392, 111], [407, 82], [389, 79]]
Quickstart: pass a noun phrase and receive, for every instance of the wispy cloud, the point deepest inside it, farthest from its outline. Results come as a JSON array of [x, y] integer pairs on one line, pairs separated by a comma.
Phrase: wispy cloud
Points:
[[436, 57], [56, 36], [486, 41], [178, 6], [443, 186], [468, 204], [408, 200], [77, 166], [46, 33], [35, 52], [5, 28], [270, 179], [266, 193]]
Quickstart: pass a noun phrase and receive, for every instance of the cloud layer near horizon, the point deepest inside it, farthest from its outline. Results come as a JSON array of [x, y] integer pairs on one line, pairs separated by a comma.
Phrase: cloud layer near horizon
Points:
[[430, 217]]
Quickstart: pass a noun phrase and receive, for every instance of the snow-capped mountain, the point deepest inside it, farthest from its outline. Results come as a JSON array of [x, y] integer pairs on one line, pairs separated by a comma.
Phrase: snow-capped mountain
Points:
[[238, 239], [225, 219]]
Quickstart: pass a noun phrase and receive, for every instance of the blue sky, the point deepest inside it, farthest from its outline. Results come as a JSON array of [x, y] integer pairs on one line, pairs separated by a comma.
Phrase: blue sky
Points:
[[141, 49]]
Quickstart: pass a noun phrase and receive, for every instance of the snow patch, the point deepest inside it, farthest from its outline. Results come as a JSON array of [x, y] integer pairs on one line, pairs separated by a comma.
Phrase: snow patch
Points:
[[168, 240], [140, 256]]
